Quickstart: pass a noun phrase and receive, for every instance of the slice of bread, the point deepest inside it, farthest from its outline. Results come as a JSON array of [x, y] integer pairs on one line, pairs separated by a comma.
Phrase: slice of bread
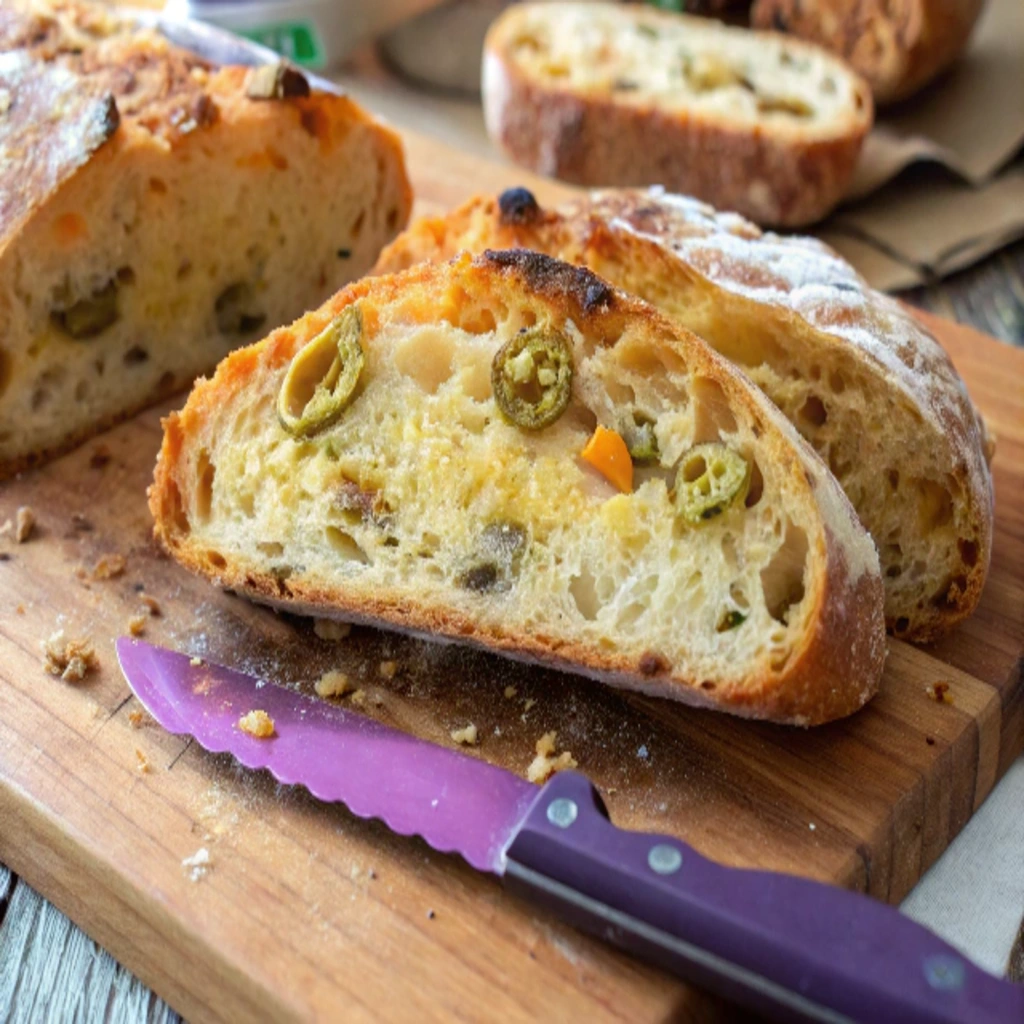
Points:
[[857, 375], [609, 94], [156, 212], [732, 573]]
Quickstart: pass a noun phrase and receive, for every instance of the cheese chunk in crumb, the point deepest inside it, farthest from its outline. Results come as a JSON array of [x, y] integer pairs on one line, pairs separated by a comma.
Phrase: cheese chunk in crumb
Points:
[[257, 723], [328, 629], [333, 684], [467, 736]]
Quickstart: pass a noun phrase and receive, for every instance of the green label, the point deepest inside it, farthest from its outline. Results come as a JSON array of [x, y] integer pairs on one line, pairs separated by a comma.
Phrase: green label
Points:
[[669, 5], [296, 40]]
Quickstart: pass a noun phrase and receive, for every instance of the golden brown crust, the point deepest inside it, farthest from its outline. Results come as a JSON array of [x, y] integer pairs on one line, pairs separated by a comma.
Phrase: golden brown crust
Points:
[[785, 180], [898, 46], [835, 666], [664, 236]]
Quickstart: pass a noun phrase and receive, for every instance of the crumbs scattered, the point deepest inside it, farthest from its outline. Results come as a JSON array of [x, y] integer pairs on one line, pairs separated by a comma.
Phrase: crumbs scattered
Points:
[[71, 658], [198, 864], [109, 567], [257, 723], [328, 629], [137, 624], [24, 524], [467, 736], [137, 719], [359, 698], [510, 692], [940, 693], [333, 684], [195, 661], [151, 604], [143, 762], [20, 609], [388, 669], [528, 703], [545, 764]]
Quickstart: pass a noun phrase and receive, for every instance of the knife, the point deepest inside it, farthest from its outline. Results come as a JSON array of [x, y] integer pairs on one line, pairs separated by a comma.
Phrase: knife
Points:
[[790, 948]]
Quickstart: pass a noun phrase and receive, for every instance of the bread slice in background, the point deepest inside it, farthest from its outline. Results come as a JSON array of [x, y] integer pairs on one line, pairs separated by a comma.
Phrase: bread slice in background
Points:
[[856, 374], [898, 46], [423, 508], [609, 94], [156, 213]]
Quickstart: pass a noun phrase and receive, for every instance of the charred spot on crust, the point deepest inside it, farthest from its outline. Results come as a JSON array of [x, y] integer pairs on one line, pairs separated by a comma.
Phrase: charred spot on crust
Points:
[[276, 82], [545, 274], [518, 207], [652, 664]]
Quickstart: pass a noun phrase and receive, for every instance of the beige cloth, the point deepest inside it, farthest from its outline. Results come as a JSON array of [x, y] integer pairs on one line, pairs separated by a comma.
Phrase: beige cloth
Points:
[[910, 222]]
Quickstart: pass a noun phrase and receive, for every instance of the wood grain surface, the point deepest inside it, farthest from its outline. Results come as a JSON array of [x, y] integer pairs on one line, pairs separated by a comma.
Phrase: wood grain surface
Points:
[[308, 910]]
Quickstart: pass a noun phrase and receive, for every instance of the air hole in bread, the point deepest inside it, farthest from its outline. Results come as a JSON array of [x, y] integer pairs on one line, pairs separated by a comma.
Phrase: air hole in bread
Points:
[[478, 321], [712, 417], [901, 625], [270, 548], [345, 545], [782, 579], [135, 355], [357, 225], [840, 467], [81, 390], [813, 411], [935, 505], [204, 484], [893, 477], [475, 376], [707, 685], [968, 552], [216, 559], [892, 560], [157, 185], [247, 503], [583, 590], [392, 218], [837, 382], [793, 106], [756, 487], [815, 372], [425, 357]]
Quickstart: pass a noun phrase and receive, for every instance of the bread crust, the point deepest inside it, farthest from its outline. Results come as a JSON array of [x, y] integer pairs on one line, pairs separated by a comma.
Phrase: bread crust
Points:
[[779, 178], [804, 283], [833, 669], [897, 47]]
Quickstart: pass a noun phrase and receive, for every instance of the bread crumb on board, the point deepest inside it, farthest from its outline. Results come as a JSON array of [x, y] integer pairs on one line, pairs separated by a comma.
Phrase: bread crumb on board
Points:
[[467, 737], [195, 661], [329, 629], [71, 658], [198, 864], [150, 603], [258, 724], [359, 698], [24, 524], [940, 693], [143, 762], [109, 567], [137, 719], [333, 684], [137, 624], [545, 764]]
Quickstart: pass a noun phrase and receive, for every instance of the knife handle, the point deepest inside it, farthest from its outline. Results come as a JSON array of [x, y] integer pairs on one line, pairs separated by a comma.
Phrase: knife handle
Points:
[[791, 948]]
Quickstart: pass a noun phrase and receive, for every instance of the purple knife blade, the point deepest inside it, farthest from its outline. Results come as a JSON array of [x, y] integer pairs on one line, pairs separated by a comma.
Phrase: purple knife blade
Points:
[[457, 803], [792, 948]]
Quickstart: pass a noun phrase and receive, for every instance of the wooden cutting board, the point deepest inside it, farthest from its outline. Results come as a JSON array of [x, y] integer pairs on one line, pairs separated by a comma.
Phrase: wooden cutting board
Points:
[[307, 910]]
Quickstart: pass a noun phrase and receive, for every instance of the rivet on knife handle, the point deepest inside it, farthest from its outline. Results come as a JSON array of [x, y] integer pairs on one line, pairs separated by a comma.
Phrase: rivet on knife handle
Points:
[[789, 947]]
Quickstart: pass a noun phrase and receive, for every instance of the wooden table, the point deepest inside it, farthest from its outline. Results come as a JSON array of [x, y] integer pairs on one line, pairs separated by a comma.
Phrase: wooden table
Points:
[[49, 969]]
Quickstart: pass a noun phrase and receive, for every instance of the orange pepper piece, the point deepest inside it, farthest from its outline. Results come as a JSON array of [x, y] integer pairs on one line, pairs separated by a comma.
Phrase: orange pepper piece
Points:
[[608, 454]]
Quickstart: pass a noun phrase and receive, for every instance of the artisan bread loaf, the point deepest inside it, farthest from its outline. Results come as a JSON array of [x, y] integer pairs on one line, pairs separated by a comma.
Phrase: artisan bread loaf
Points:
[[898, 46], [156, 212], [855, 373], [607, 94], [419, 452]]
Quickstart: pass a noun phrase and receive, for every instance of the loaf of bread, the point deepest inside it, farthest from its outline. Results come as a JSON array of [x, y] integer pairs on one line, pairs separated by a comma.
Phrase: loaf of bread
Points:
[[898, 46], [608, 94], [156, 212], [504, 451], [855, 373]]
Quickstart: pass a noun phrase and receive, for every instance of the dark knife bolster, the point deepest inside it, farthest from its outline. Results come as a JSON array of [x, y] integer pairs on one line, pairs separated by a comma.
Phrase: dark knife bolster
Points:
[[786, 946]]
